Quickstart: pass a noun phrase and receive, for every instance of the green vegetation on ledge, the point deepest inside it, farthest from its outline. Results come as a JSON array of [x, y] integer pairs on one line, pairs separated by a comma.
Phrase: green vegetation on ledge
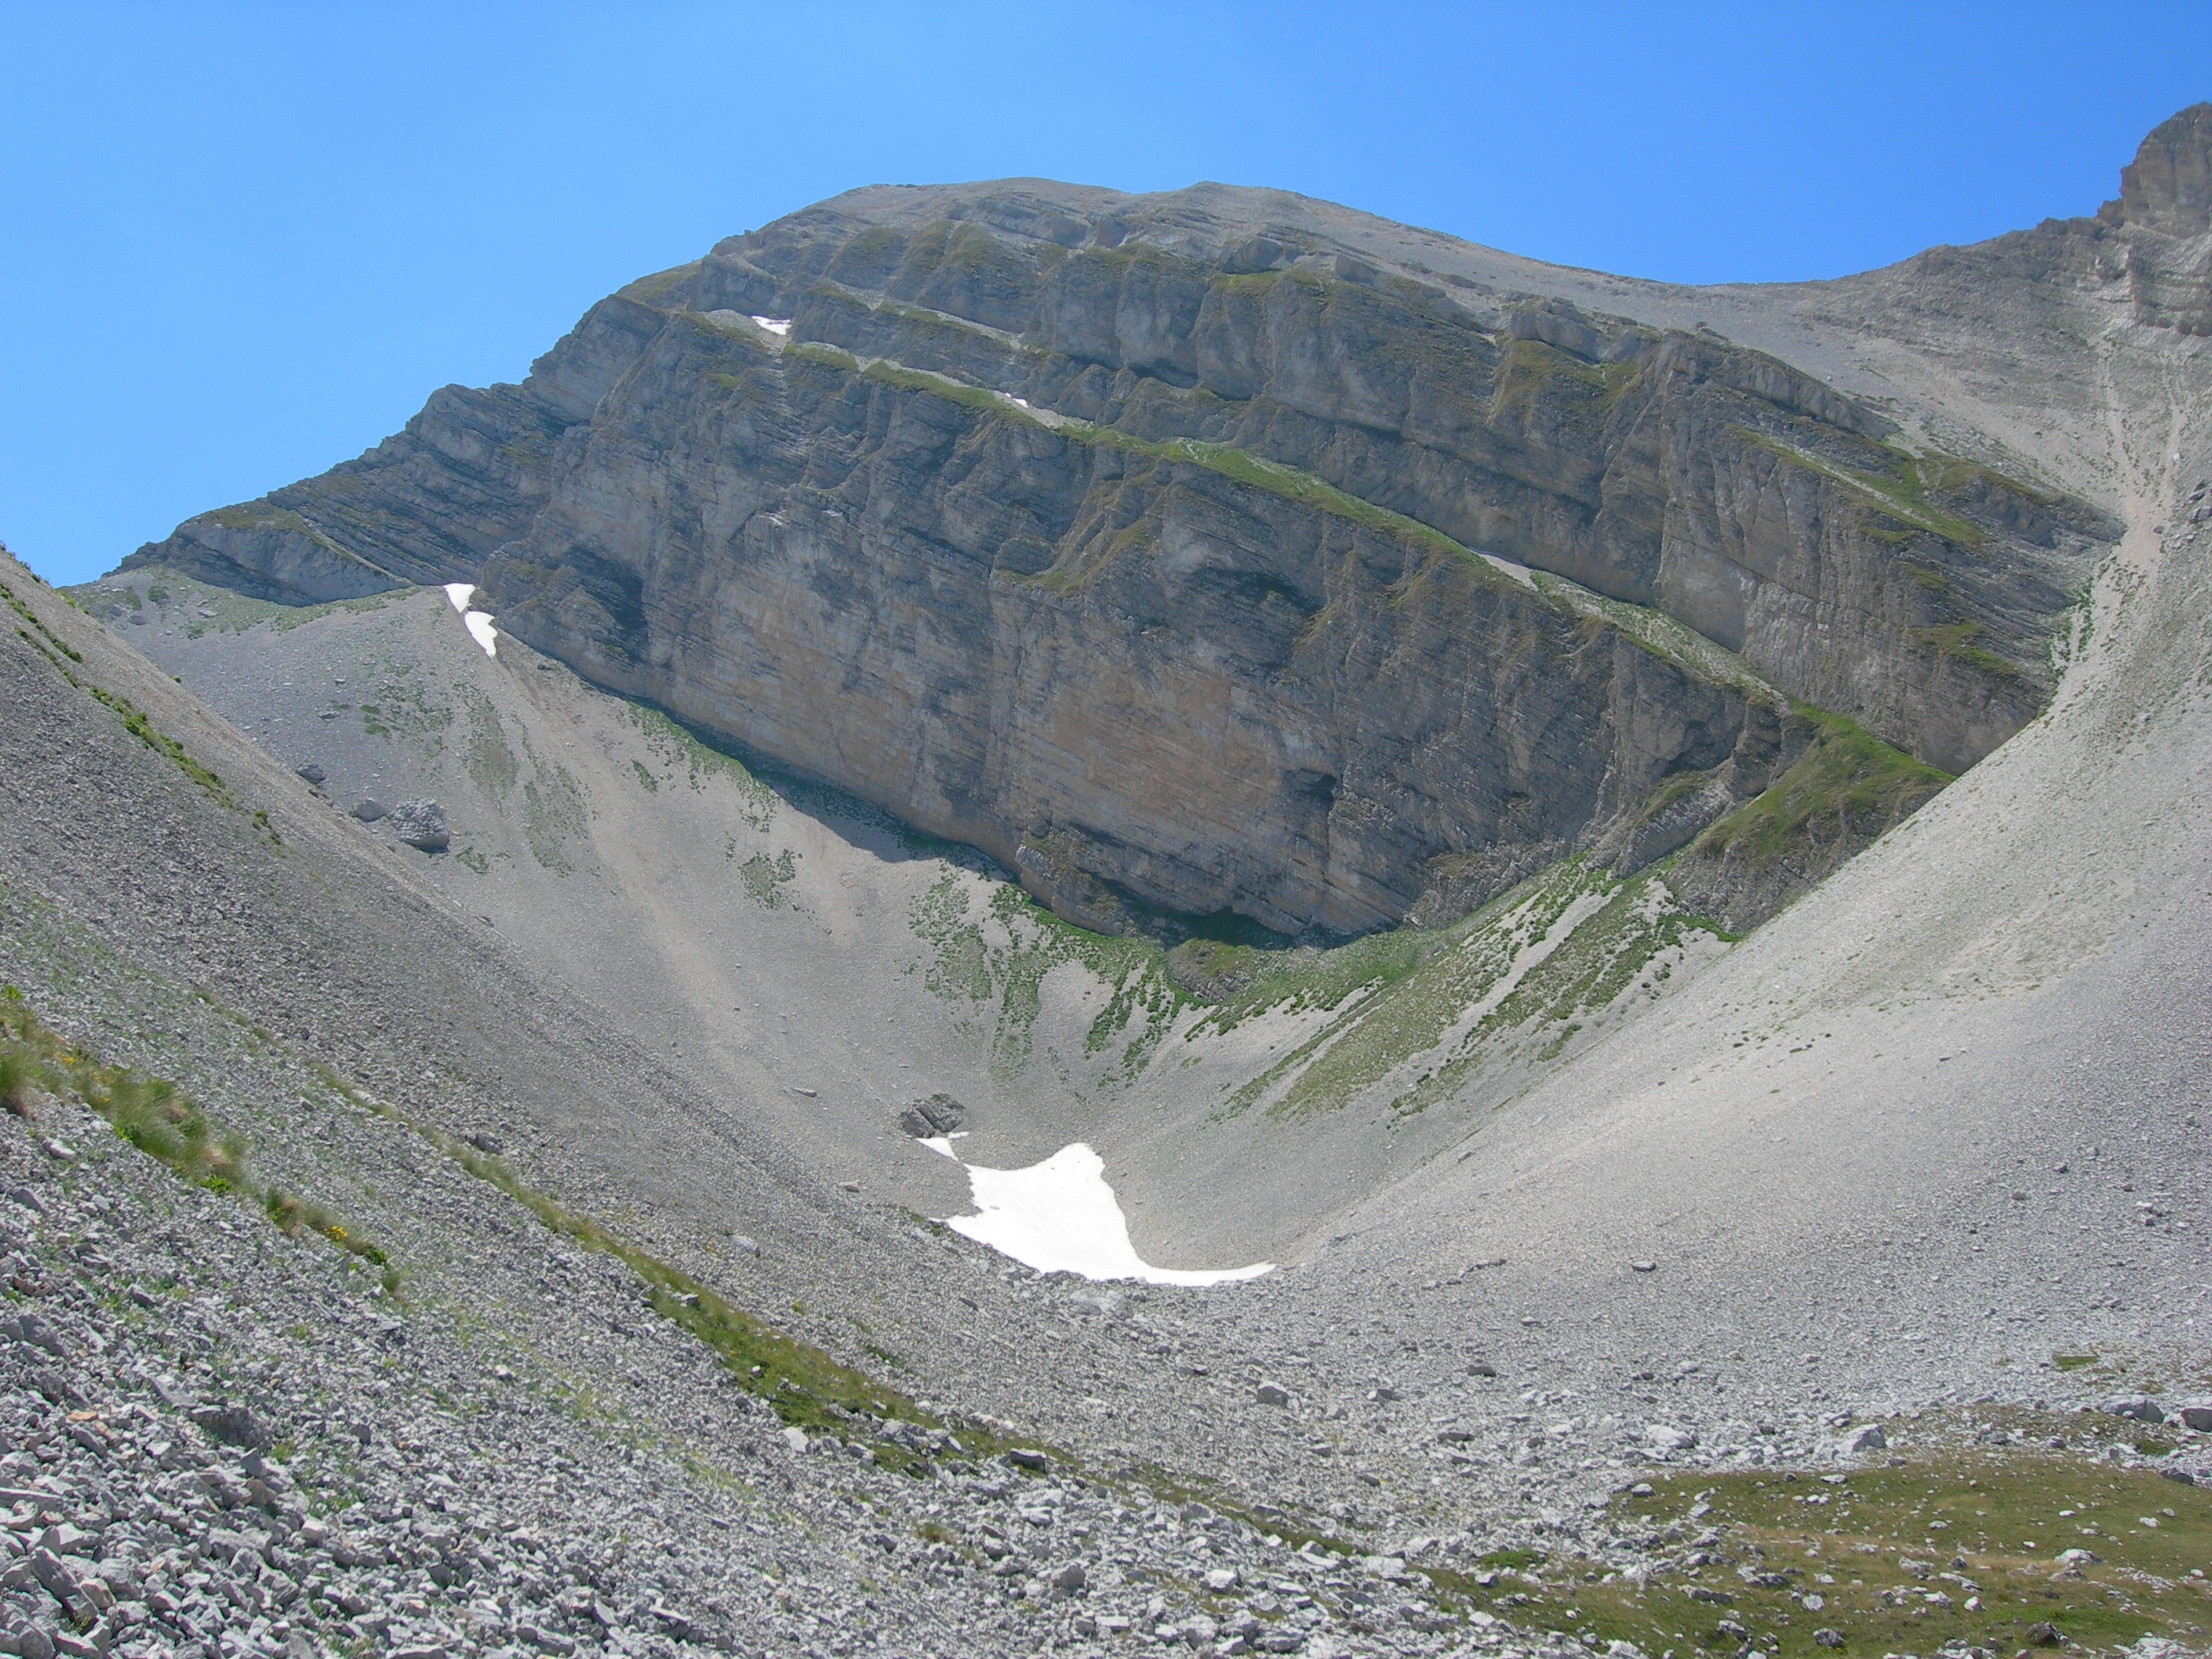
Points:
[[1525, 367], [1848, 781], [1904, 486], [1239, 465], [1956, 641]]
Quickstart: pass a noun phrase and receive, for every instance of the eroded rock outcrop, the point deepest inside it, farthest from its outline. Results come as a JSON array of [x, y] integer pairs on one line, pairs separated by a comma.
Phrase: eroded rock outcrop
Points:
[[1130, 675], [2164, 211], [1187, 567]]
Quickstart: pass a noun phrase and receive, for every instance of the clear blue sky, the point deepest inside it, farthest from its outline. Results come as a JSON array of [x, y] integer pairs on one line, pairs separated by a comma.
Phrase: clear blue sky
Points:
[[244, 241]]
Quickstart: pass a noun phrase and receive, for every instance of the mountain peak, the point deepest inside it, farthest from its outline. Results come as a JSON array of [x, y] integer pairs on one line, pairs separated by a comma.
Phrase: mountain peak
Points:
[[2168, 187]]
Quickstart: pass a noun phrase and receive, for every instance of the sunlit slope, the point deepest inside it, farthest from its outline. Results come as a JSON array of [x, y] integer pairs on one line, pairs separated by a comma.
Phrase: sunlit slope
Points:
[[794, 951], [1956, 1095]]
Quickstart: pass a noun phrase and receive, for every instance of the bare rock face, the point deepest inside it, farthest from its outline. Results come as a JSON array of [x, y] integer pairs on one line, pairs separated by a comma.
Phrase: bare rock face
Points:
[[1137, 678], [1913, 591], [1191, 563], [2168, 187], [2165, 211], [430, 503]]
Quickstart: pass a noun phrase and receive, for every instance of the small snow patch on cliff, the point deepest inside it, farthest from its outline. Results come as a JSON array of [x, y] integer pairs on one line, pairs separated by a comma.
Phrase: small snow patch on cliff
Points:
[[478, 623]]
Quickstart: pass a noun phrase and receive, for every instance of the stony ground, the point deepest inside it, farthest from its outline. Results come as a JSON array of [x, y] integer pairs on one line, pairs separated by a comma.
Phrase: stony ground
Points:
[[224, 1439], [1926, 1153], [1403, 1420]]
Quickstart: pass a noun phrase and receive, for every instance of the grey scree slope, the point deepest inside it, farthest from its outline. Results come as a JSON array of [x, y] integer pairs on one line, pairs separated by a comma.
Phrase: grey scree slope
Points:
[[1839, 1139]]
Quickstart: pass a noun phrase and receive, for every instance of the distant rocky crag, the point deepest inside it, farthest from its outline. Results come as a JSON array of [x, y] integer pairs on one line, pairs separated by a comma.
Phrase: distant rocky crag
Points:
[[2162, 223]]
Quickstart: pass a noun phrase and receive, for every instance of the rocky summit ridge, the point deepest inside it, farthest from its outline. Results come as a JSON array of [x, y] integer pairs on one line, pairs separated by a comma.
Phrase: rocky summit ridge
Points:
[[1644, 846]]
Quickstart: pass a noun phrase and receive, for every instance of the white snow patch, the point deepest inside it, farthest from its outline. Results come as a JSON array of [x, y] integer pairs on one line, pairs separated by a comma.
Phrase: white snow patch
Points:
[[942, 1145], [775, 325], [1046, 417], [478, 623], [1061, 1216]]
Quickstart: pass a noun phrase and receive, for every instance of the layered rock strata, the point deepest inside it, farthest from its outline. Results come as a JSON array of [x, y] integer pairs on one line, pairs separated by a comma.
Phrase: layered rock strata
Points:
[[2162, 220], [1185, 569]]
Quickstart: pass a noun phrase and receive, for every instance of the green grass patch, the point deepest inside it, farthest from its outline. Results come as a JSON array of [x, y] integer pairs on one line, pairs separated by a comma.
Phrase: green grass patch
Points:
[[646, 289], [267, 515], [1956, 641], [677, 746], [1527, 368], [828, 356], [1403, 994], [1511, 1560], [232, 613], [260, 515], [1848, 781], [135, 722], [999, 953], [807, 1388], [765, 878], [977, 398], [53, 640], [1958, 1548], [799, 1380], [1523, 976]]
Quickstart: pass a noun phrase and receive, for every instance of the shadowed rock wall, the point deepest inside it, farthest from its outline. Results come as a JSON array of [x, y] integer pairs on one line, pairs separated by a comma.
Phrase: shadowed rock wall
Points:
[[1133, 547], [1129, 677]]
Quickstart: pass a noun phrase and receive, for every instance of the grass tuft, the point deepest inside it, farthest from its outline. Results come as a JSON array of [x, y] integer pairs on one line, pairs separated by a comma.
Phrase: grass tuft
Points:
[[154, 1116]]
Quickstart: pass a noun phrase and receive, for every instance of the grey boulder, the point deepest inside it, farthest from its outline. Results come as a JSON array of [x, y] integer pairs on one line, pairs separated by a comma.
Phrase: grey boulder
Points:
[[939, 1114], [422, 824]]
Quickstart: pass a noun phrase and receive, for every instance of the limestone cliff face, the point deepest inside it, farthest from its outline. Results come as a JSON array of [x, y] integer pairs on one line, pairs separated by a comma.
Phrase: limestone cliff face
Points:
[[1758, 506], [429, 504], [2164, 213], [1145, 549], [1125, 673]]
